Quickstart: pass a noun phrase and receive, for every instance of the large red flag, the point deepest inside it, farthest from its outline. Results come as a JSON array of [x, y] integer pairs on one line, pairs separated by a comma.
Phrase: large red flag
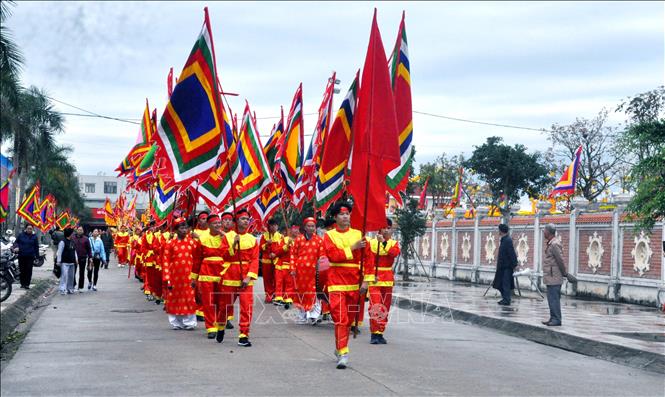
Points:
[[375, 138], [423, 196]]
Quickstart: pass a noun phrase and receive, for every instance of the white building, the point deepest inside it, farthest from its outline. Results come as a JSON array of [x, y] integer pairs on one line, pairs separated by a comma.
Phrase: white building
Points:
[[96, 188]]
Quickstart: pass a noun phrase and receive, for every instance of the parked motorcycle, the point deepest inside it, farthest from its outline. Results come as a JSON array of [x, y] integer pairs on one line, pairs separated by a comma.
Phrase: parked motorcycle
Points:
[[9, 272], [39, 259]]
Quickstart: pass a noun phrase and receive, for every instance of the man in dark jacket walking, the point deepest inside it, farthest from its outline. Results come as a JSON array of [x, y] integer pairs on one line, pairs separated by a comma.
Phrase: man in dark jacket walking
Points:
[[107, 239], [27, 246], [84, 254], [505, 264]]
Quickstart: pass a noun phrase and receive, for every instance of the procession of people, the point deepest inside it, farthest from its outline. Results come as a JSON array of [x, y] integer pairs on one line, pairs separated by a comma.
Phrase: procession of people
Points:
[[200, 267]]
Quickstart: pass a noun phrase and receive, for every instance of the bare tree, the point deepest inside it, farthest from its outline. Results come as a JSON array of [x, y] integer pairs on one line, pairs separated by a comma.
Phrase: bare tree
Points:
[[601, 156]]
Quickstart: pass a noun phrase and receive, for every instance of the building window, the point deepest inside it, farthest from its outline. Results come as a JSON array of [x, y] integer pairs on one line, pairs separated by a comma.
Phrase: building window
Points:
[[111, 187], [89, 187]]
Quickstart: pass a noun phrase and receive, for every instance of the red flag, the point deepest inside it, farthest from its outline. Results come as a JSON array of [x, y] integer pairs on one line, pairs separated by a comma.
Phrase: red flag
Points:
[[423, 196], [169, 82], [375, 138]]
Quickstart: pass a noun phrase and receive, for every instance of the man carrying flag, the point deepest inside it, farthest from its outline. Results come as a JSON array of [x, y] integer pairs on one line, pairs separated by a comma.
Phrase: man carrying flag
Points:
[[346, 282], [383, 251], [122, 246], [241, 269], [270, 238]]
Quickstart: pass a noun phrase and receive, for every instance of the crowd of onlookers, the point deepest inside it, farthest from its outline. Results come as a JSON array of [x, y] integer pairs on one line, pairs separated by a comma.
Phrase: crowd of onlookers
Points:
[[74, 252]]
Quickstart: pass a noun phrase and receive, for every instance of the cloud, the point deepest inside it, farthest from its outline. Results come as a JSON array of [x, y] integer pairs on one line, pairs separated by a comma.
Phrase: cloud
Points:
[[521, 63]]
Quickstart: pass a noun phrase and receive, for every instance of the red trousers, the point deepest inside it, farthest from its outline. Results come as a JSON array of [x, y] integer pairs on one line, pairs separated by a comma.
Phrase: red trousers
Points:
[[343, 308], [268, 273], [213, 304], [147, 271], [155, 281], [380, 299], [123, 255], [284, 286], [246, 296]]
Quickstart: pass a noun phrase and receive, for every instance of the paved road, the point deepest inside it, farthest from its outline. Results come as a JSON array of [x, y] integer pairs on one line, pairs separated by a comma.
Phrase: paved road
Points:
[[113, 342]]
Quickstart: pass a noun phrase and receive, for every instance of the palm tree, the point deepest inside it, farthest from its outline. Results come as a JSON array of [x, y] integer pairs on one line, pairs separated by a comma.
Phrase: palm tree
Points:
[[11, 62]]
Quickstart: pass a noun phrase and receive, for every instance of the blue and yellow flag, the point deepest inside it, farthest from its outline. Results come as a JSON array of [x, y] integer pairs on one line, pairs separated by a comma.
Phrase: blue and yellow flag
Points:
[[190, 132], [397, 179]]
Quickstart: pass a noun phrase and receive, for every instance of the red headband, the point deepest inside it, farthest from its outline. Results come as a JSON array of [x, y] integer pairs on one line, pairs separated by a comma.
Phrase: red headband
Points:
[[344, 210], [227, 216], [308, 220], [179, 221], [203, 215], [212, 217]]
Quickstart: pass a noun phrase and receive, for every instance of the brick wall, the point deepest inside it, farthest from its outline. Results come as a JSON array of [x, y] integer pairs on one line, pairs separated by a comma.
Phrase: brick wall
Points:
[[583, 257], [628, 261]]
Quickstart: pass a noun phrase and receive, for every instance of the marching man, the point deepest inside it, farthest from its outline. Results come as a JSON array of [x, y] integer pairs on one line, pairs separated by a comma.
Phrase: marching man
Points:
[[122, 246], [306, 251], [269, 240], [284, 279], [178, 260], [346, 280], [241, 266], [383, 250]]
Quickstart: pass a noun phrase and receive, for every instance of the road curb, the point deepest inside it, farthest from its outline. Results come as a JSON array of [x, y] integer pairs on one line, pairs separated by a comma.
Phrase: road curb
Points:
[[635, 358], [13, 315]]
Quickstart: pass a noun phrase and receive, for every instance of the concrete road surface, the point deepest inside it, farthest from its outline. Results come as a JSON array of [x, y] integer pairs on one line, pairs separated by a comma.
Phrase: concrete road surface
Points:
[[115, 343]]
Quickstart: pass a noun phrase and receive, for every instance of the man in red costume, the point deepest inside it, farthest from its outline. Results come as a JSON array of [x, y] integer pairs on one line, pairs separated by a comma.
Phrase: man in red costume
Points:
[[205, 275], [227, 225], [270, 239], [284, 279], [178, 259], [347, 277], [240, 270], [383, 251], [121, 242], [305, 253], [201, 230]]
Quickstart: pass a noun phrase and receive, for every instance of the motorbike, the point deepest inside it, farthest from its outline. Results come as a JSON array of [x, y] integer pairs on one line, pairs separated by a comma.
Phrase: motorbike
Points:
[[41, 257], [9, 272]]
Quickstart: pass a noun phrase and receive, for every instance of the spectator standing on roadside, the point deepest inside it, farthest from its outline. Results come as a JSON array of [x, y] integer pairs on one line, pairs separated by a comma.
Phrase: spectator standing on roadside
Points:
[[27, 246], [554, 271]]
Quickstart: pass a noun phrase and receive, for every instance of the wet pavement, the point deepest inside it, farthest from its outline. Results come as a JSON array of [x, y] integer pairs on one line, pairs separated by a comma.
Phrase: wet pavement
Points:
[[625, 325], [38, 273]]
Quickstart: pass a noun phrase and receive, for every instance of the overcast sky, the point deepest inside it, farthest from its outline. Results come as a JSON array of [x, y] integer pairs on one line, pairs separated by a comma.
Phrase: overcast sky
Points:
[[528, 64]]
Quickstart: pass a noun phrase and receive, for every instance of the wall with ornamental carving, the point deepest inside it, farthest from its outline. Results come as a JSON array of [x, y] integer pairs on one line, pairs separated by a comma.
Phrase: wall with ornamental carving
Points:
[[602, 249]]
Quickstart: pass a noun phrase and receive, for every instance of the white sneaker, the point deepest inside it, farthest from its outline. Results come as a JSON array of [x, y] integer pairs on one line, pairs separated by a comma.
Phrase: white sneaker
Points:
[[94, 288], [343, 361], [80, 290]]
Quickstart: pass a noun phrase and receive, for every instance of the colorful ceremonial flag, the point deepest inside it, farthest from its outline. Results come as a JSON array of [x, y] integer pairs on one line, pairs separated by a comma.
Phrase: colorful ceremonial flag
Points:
[[4, 200], [568, 181], [190, 132], [335, 153], [268, 202], [142, 145], [29, 205], [253, 163], [423, 196], [306, 185], [216, 190], [42, 211], [397, 179], [63, 220], [457, 191], [109, 214], [272, 146], [375, 139], [163, 201], [289, 157]]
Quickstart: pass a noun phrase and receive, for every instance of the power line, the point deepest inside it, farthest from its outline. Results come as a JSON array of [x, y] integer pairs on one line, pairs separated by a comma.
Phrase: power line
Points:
[[93, 114], [480, 122]]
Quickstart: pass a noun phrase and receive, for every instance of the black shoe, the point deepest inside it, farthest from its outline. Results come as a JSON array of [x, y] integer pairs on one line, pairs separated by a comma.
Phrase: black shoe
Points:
[[355, 330], [553, 324], [374, 340], [200, 318], [244, 341], [220, 336], [382, 340], [546, 322], [229, 325], [158, 301], [212, 335], [504, 303], [286, 306]]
